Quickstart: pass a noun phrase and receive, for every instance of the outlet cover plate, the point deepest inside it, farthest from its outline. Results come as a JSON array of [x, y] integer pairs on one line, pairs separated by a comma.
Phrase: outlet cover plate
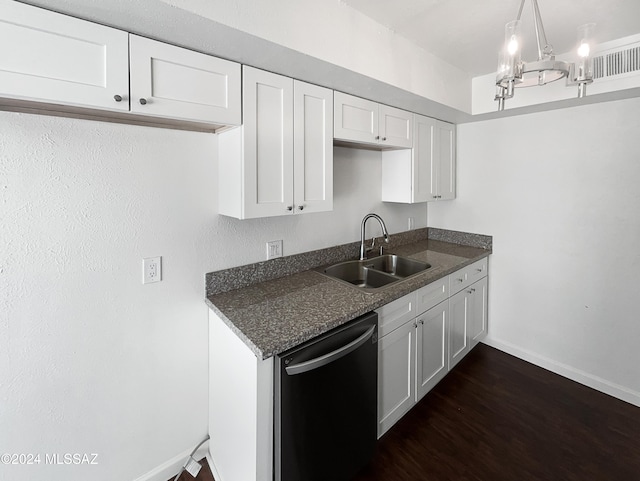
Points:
[[274, 249], [151, 269]]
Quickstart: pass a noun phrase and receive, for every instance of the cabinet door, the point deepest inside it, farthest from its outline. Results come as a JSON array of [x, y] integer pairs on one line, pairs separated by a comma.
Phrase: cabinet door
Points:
[[432, 348], [478, 317], [313, 148], [268, 144], [58, 59], [168, 81], [459, 307], [355, 119], [396, 375], [446, 160], [395, 127], [424, 174]]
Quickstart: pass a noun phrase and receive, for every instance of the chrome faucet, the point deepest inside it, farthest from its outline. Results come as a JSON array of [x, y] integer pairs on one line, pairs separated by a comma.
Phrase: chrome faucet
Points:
[[363, 249]]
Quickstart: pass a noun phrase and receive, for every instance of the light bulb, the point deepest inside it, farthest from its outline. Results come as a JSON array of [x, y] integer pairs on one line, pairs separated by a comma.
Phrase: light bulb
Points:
[[583, 50], [512, 46]]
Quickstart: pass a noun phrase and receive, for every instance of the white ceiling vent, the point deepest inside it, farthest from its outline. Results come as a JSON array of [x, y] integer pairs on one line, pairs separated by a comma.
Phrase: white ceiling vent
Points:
[[617, 62]]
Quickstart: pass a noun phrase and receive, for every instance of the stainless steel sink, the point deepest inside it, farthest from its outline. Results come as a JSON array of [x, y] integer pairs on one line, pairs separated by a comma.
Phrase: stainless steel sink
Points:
[[372, 274]]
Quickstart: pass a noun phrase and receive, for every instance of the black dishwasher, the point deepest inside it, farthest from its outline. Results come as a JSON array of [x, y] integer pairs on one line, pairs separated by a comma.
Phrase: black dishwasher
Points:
[[325, 407]]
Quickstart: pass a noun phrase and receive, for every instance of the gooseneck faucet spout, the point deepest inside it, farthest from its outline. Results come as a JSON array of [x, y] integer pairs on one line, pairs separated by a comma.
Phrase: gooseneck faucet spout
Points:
[[363, 249]]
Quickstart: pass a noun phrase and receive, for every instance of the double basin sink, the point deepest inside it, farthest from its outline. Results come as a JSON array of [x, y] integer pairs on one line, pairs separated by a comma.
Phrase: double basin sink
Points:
[[375, 273]]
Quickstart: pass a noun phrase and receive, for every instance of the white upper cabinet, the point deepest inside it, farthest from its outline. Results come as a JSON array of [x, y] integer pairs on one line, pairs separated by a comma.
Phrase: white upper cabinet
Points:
[[53, 58], [59, 60], [363, 121], [172, 82], [395, 127], [356, 119], [427, 171], [312, 148], [274, 164]]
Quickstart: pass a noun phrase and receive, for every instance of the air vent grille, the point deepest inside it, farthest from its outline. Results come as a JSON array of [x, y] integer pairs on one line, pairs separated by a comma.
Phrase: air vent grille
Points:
[[617, 63]]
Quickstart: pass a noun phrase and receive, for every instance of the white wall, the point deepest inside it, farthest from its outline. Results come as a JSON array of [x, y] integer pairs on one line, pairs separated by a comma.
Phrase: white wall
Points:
[[333, 31], [559, 193], [91, 360]]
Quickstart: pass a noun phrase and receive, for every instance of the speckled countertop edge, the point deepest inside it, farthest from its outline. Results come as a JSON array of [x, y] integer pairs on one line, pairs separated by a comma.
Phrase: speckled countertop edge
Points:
[[274, 315]]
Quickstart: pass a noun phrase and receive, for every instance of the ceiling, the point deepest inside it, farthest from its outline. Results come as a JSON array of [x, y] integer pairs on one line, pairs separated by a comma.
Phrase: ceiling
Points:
[[469, 33]]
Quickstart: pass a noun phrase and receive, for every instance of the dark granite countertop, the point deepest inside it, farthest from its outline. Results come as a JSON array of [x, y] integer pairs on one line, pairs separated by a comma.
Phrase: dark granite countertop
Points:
[[277, 314]]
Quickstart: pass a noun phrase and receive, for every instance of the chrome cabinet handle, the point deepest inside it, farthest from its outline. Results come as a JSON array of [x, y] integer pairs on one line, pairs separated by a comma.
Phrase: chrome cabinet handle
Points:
[[422, 321], [473, 289], [117, 98], [289, 207], [460, 280], [143, 101], [301, 207], [469, 292], [479, 270]]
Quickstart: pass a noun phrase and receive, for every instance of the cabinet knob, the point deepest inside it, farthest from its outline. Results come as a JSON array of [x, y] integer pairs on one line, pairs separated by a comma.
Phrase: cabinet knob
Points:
[[377, 137], [117, 98], [422, 322], [384, 138], [470, 291], [479, 270], [301, 207], [289, 207], [459, 280], [473, 289], [143, 101]]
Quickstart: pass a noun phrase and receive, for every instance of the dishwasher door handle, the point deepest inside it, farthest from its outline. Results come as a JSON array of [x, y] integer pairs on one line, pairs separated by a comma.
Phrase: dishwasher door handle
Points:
[[331, 356]]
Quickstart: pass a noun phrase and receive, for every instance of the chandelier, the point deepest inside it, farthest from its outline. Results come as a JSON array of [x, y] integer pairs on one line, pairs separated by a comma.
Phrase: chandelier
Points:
[[514, 73]]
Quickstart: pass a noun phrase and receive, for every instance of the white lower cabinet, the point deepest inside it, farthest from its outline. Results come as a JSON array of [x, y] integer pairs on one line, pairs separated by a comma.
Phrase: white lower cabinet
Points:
[[416, 351], [396, 375], [432, 340]]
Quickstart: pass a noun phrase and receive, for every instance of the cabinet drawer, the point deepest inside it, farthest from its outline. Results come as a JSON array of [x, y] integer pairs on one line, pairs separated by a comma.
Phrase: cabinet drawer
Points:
[[431, 295], [396, 313], [468, 275]]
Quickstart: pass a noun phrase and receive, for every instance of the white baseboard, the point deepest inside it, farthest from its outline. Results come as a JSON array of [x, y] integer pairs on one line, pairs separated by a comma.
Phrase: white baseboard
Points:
[[595, 382], [169, 469]]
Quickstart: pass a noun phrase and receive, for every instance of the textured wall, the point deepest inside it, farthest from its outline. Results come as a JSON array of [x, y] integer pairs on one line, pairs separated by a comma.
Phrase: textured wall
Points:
[[559, 193], [91, 360]]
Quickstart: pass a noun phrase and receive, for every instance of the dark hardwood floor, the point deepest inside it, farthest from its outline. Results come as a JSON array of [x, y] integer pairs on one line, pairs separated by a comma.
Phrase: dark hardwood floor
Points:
[[497, 418]]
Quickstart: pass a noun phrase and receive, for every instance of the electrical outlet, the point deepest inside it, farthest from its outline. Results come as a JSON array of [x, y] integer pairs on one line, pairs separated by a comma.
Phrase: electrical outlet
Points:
[[411, 224], [151, 270], [274, 249]]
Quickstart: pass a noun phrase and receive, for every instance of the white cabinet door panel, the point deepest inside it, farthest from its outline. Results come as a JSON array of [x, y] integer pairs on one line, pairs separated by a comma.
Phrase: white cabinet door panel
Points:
[[355, 119], [179, 83], [447, 161], [479, 311], [396, 375], [49, 57], [268, 131], [423, 176], [432, 342], [458, 325], [396, 127], [313, 148]]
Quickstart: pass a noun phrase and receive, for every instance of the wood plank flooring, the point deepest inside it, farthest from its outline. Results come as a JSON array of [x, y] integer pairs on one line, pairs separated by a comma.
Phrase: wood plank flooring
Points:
[[497, 418]]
